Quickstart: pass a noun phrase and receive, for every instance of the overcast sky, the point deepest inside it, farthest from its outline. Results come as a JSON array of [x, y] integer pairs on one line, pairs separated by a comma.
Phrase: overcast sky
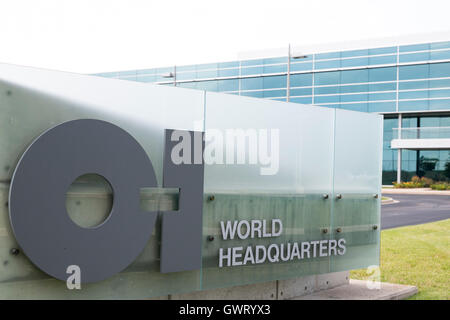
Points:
[[89, 36]]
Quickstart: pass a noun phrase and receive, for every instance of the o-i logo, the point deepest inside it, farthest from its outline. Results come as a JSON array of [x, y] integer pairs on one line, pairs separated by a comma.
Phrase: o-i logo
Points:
[[53, 241]]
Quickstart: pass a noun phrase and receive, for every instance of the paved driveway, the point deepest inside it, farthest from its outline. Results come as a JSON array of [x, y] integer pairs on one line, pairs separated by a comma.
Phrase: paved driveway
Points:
[[414, 209]]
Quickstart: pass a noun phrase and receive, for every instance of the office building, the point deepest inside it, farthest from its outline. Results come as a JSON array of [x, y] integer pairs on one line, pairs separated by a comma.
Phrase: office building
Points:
[[406, 80]]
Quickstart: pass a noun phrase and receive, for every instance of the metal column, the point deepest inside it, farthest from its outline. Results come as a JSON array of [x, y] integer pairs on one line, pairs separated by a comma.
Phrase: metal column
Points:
[[399, 151], [288, 76]]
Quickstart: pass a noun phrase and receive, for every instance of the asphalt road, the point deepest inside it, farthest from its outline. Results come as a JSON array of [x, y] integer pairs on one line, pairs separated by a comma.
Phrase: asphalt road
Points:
[[414, 209]]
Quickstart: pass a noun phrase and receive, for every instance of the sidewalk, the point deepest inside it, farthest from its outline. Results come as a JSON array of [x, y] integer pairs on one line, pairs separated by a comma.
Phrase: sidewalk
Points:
[[421, 191], [358, 290]]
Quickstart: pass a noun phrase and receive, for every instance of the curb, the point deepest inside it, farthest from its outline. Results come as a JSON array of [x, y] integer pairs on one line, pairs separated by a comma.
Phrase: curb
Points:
[[418, 191], [389, 201]]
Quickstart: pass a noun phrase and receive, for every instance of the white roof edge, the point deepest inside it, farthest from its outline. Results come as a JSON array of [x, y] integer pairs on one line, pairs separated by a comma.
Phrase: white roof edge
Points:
[[347, 45]]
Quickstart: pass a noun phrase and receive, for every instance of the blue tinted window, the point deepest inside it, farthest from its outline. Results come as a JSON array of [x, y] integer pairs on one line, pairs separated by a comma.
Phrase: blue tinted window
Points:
[[444, 122], [231, 64], [252, 62], [354, 62], [440, 104], [327, 64], [423, 84], [301, 80], [206, 66], [440, 55], [146, 71], [324, 78], [144, 78], [414, 72], [228, 85], [326, 90], [354, 53], [107, 75], [382, 60], [388, 166], [355, 76], [439, 45], [228, 72], [411, 57], [382, 96], [206, 74], [274, 93], [301, 66], [383, 74], [429, 121], [381, 107], [440, 93], [439, 70], [304, 100], [413, 105], [327, 55], [254, 94], [383, 50], [275, 69], [251, 70], [354, 88], [326, 99], [409, 122], [421, 94], [127, 73], [301, 92], [186, 75], [439, 83], [382, 86], [414, 47], [251, 83], [164, 70], [353, 97], [274, 82]]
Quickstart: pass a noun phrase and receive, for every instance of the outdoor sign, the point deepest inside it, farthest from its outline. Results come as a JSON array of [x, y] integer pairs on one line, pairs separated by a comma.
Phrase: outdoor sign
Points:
[[208, 190]]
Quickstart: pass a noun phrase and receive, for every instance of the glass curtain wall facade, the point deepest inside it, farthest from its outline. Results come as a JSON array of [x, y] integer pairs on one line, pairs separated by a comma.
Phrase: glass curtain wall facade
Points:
[[412, 80]]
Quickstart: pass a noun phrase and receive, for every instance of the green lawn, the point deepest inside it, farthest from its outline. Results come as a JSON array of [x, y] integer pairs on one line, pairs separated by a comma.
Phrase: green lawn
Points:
[[416, 255]]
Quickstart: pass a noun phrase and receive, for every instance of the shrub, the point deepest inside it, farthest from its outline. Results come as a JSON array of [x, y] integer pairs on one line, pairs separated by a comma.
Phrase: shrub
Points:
[[426, 181], [408, 184], [440, 186], [415, 182]]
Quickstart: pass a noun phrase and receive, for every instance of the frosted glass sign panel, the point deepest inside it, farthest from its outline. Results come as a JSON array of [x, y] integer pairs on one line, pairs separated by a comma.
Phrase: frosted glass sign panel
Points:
[[283, 190], [286, 147], [289, 187], [358, 143], [357, 188], [278, 224]]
